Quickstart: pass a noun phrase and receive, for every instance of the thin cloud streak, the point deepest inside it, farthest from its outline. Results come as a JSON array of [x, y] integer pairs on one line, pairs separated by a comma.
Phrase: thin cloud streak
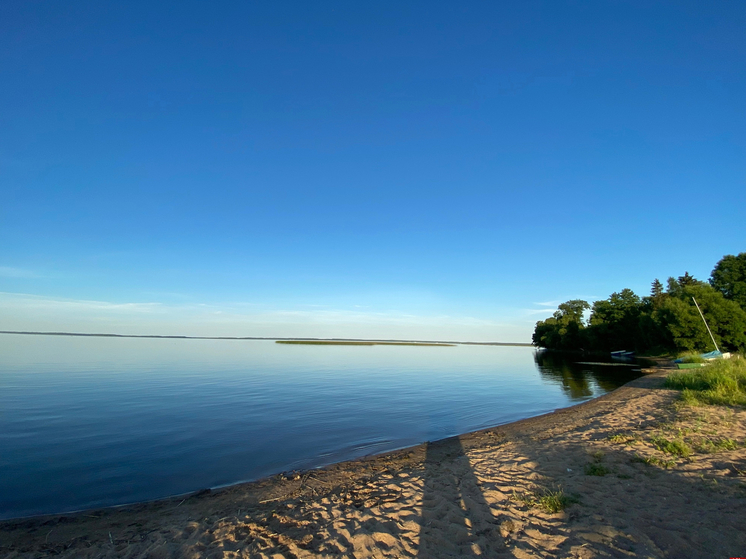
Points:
[[549, 303], [13, 272], [39, 302], [537, 311]]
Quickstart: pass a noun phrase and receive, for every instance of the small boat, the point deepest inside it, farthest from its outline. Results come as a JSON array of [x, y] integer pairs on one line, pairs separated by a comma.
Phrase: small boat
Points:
[[714, 355], [710, 356], [623, 355]]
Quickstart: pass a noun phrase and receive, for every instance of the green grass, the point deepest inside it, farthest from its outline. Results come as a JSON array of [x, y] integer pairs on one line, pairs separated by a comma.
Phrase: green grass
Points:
[[709, 446], [676, 447], [719, 383], [555, 501], [691, 358], [654, 461], [623, 438], [548, 500], [596, 469]]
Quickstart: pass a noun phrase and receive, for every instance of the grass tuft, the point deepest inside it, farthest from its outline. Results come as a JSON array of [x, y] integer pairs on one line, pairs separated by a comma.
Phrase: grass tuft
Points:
[[548, 500], [555, 501], [677, 447], [596, 469], [628, 439]]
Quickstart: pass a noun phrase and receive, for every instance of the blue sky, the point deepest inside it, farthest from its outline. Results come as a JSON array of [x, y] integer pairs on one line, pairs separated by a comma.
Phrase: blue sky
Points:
[[417, 170]]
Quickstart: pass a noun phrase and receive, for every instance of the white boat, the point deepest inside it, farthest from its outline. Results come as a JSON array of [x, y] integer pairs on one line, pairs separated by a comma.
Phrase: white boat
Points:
[[623, 355]]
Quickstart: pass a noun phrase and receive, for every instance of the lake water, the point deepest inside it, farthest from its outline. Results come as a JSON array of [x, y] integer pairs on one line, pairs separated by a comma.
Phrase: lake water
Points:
[[90, 422]]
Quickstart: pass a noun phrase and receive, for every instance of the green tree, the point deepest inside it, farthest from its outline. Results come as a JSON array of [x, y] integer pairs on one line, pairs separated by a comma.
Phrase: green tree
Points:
[[729, 277], [564, 329], [687, 279], [676, 286], [656, 290], [653, 334], [664, 321], [683, 328], [615, 322]]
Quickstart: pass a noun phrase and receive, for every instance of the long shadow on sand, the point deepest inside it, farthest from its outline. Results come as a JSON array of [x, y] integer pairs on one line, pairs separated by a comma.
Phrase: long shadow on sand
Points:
[[456, 520]]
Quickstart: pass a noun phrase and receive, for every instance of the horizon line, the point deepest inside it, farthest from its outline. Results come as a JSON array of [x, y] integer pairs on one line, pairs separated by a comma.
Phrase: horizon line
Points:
[[178, 337]]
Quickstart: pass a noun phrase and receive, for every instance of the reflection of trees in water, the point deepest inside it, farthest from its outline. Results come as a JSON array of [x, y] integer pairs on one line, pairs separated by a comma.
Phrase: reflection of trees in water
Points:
[[570, 376], [577, 380]]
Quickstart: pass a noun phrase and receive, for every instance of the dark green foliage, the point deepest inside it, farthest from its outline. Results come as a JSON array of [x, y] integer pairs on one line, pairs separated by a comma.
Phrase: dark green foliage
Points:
[[729, 277], [684, 329], [615, 322], [653, 335], [687, 280], [564, 329], [614, 325], [666, 321], [656, 291]]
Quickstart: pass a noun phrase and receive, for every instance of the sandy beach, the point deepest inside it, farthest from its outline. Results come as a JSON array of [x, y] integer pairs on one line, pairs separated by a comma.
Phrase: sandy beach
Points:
[[484, 494]]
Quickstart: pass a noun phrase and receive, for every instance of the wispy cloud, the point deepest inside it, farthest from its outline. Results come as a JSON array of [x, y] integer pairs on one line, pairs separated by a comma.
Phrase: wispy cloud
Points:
[[549, 303], [546, 311], [38, 302], [13, 272]]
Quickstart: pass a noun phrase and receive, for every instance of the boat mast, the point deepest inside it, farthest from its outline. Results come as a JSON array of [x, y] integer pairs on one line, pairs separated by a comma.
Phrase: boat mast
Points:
[[706, 325]]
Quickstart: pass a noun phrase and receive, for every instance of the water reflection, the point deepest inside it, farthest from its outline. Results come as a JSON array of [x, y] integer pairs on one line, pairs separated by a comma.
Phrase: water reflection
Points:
[[578, 378]]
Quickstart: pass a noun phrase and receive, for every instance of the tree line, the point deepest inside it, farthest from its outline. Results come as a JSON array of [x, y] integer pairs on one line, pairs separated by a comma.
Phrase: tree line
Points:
[[666, 321]]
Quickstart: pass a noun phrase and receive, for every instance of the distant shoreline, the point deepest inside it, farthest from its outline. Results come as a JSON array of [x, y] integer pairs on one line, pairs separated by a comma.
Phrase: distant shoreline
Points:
[[356, 343], [321, 340]]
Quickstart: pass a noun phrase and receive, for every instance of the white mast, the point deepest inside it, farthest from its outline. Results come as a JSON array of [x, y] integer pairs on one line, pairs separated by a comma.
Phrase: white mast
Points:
[[708, 327]]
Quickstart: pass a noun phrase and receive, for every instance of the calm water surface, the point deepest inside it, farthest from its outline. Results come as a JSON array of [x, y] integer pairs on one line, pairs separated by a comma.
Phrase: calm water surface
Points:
[[89, 422]]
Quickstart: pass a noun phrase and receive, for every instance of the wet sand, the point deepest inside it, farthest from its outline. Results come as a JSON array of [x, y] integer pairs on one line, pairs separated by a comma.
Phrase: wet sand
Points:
[[477, 495]]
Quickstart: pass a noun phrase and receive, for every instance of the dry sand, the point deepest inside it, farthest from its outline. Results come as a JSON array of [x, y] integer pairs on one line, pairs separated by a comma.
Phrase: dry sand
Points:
[[471, 496]]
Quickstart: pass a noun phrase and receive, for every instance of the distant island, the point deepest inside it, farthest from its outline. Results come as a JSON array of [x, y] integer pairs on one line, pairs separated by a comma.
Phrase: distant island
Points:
[[341, 342], [319, 341]]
